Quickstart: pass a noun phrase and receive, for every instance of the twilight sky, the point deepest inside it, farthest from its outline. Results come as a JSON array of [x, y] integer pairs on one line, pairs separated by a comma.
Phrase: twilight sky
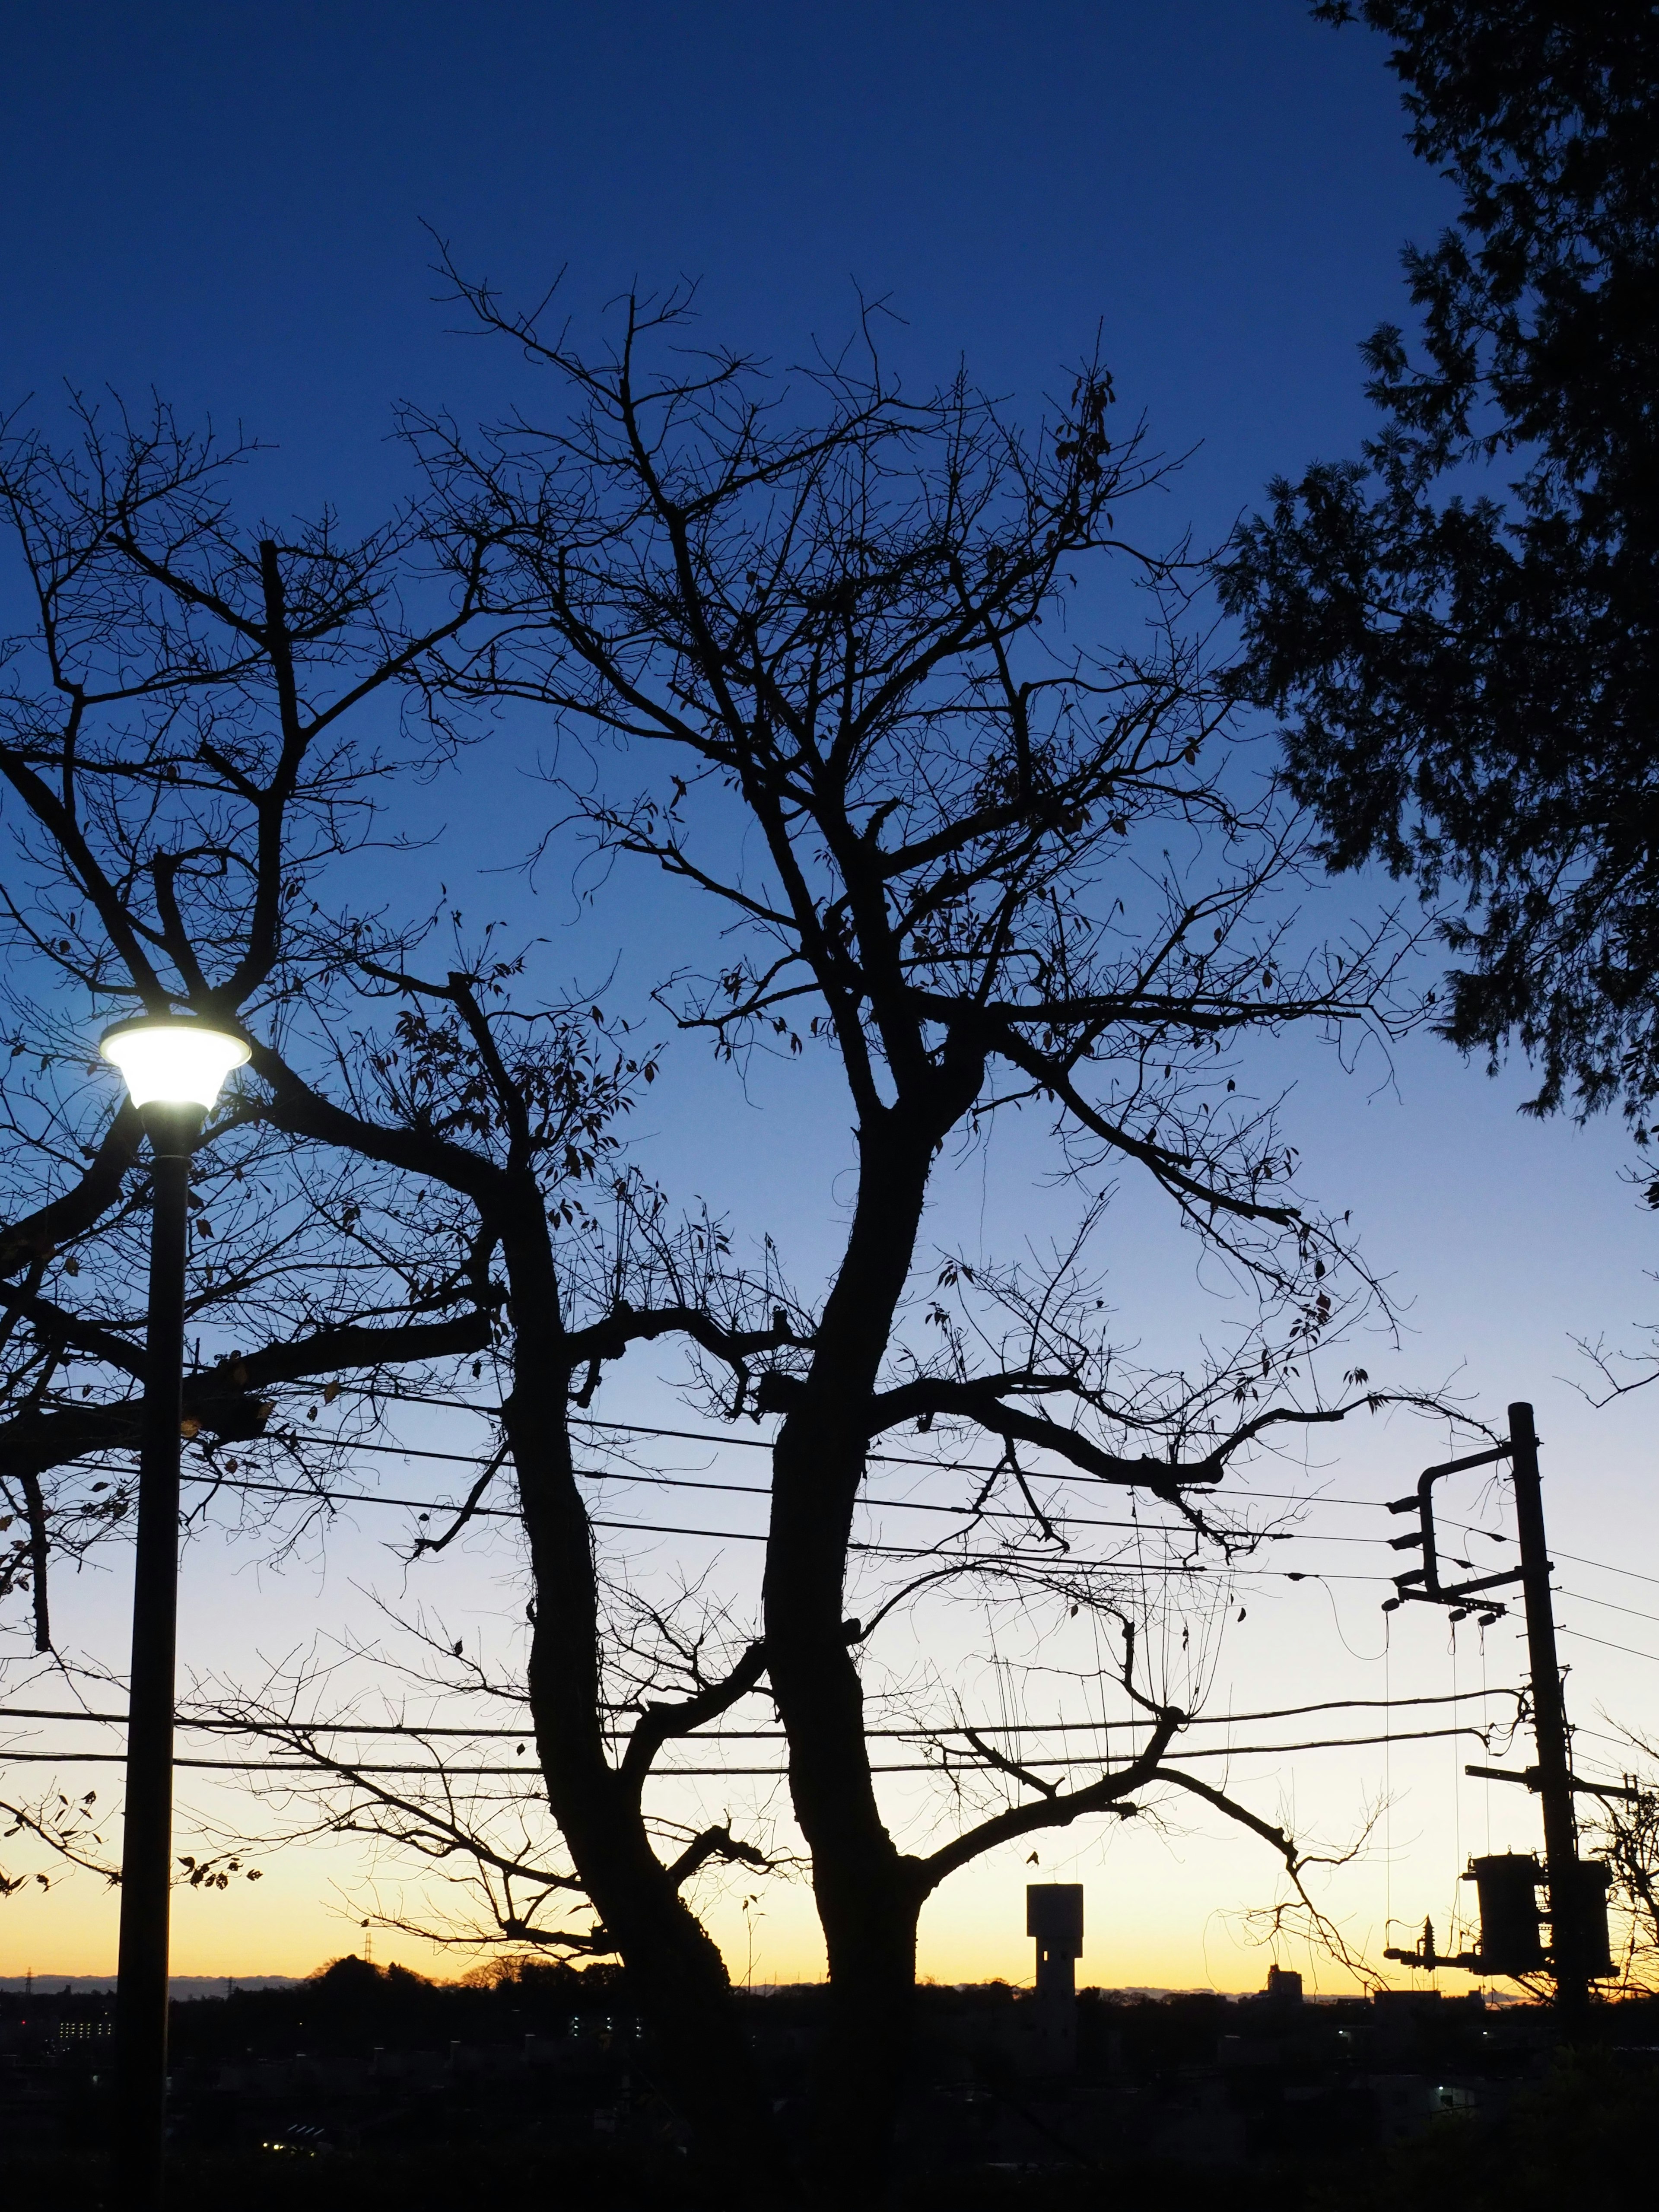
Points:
[[226, 204]]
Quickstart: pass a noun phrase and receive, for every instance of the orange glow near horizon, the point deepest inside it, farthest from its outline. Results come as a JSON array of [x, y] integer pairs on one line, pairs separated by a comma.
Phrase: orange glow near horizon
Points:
[[1139, 1934]]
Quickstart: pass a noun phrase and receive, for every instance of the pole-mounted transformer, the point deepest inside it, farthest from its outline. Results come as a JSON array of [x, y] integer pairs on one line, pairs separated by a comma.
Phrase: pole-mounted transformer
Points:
[[1511, 1921]]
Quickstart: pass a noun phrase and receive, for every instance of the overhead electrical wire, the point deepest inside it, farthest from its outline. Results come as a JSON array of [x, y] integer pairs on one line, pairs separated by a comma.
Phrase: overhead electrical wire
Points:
[[332, 1498], [1580, 1597], [336, 1498], [344, 1769], [1600, 1735], [1583, 1636], [942, 1734], [218, 1724], [765, 1443], [662, 1482]]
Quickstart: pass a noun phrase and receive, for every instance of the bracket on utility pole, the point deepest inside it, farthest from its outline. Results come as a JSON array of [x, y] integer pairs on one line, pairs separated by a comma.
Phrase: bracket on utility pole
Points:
[[1534, 1781], [1433, 1591]]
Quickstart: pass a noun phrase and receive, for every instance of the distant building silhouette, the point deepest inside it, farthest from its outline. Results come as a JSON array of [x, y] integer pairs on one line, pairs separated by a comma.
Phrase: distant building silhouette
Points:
[[1054, 1916]]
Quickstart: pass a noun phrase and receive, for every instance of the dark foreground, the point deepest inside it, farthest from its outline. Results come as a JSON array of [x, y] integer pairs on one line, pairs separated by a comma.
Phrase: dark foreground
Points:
[[1586, 2136], [361, 2089]]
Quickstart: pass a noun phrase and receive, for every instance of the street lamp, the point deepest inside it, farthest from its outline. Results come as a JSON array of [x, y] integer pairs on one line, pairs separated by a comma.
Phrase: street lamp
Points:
[[173, 1065]]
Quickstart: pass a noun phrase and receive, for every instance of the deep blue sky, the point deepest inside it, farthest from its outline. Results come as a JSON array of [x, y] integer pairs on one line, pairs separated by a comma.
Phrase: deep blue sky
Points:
[[225, 202]]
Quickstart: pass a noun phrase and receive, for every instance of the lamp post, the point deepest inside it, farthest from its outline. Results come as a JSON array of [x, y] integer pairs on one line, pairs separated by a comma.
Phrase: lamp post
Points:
[[173, 1065]]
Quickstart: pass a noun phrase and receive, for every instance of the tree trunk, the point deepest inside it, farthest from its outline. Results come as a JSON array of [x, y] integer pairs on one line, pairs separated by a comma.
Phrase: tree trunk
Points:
[[867, 1892], [863, 2065], [677, 1969]]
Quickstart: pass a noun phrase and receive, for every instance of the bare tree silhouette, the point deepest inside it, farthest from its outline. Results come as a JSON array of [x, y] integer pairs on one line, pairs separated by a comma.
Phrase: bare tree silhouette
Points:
[[832, 630]]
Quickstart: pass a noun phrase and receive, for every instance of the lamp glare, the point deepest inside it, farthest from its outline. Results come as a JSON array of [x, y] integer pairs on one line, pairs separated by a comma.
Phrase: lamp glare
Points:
[[173, 1062]]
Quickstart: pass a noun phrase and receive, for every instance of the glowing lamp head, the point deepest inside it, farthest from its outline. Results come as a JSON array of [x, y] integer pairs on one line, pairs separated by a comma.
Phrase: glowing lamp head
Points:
[[171, 1060]]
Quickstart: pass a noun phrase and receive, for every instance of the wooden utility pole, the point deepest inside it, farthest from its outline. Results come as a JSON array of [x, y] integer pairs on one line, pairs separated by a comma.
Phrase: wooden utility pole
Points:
[[1554, 1769]]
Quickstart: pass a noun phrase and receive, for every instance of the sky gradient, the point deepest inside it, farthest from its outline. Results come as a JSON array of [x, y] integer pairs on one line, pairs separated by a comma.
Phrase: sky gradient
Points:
[[226, 205]]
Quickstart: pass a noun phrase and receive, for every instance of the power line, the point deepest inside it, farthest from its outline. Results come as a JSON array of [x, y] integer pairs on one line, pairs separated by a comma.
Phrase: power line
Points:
[[1271, 1497], [1606, 1604], [1605, 1565], [1629, 1649], [758, 1536], [765, 1443], [1600, 1735], [671, 1773], [333, 1498], [681, 1482], [901, 1459], [1578, 1558], [920, 1728], [761, 1489], [659, 1481]]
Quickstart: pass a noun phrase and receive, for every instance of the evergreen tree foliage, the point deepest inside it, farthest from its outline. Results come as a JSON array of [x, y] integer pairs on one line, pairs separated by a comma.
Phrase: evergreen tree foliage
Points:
[[1460, 628]]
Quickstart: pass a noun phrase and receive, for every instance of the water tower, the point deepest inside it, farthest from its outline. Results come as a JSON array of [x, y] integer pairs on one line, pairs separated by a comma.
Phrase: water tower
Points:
[[1054, 1917]]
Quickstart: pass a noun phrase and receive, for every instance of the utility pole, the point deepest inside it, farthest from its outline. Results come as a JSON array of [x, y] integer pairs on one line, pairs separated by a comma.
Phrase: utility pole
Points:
[[1554, 1783], [1576, 1887]]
